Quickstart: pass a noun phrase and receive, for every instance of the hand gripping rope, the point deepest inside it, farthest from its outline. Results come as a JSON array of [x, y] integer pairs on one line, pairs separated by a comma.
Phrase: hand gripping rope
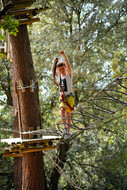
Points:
[[58, 84]]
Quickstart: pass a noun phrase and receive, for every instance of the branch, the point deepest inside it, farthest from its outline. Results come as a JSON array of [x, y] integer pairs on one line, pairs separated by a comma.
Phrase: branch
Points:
[[116, 22], [58, 168], [114, 99], [60, 164]]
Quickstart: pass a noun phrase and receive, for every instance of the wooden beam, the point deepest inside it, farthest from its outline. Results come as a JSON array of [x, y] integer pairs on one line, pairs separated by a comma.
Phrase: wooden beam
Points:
[[21, 4], [28, 21], [22, 86], [29, 141], [19, 113], [38, 149], [15, 111], [21, 146], [31, 135], [12, 155], [31, 85], [27, 11], [23, 1], [20, 154], [32, 148], [38, 134], [35, 12]]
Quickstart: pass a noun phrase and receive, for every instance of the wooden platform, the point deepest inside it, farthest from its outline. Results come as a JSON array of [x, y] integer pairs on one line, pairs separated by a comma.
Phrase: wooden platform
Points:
[[17, 146], [19, 8], [18, 4]]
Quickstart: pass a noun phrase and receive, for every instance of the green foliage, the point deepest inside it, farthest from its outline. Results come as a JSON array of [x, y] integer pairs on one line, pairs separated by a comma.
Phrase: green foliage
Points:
[[6, 164], [6, 173], [10, 24], [6, 82], [115, 64]]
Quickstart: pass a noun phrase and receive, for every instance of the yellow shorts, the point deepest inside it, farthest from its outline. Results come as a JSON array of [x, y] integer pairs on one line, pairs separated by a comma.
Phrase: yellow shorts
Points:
[[70, 100]]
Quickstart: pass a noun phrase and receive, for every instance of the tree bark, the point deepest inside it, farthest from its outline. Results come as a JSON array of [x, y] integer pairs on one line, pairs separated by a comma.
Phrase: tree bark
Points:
[[32, 163], [18, 160]]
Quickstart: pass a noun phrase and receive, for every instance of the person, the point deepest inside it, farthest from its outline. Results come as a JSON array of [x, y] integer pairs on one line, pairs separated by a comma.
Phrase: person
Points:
[[66, 99]]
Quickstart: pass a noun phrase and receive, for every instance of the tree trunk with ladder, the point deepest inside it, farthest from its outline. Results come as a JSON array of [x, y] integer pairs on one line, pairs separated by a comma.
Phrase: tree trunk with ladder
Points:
[[32, 163]]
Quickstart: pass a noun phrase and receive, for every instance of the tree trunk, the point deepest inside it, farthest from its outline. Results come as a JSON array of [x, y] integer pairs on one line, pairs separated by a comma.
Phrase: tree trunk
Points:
[[60, 161], [32, 163], [17, 160]]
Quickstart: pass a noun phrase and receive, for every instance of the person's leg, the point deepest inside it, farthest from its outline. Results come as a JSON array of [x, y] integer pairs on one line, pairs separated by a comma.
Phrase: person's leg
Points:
[[62, 109], [68, 121]]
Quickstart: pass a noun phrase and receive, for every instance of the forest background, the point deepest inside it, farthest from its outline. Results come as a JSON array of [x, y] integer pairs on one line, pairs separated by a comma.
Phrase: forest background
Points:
[[93, 35]]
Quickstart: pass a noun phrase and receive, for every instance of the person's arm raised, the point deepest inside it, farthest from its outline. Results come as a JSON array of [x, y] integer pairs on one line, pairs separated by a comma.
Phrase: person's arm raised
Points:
[[66, 62]]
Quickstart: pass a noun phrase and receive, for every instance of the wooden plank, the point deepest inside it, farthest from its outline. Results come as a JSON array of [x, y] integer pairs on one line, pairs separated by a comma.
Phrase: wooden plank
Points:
[[5, 2], [26, 11], [10, 141], [31, 85], [6, 43], [24, 148], [31, 134], [21, 4], [11, 54], [42, 139], [23, 1], [28, 21], [12, 155], [14, 149], [22, 86], [39, 103], [21, 152], [15, 111], [38, 149], [38, 134], [19, 113], [17, 151], [19, 145], [32, 148]]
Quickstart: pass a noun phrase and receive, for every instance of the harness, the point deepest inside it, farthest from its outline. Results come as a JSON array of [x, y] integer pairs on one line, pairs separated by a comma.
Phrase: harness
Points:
[[58, 84]]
